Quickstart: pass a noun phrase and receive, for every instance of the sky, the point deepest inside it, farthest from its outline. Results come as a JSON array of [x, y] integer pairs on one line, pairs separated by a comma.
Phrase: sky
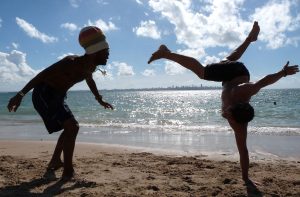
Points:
[[36, 34]]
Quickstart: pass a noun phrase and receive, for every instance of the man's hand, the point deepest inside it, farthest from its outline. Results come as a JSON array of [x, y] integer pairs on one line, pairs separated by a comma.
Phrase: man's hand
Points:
[[290, 70], [254, 32], [14, 103], [106, 105]]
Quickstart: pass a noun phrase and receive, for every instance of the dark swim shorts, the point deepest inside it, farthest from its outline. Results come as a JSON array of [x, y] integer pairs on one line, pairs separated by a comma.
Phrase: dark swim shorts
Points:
[[225, 71], [51, 106]]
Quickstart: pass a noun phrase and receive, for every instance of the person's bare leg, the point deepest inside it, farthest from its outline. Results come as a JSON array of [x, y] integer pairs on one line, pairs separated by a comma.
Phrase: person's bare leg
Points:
[[71, 129], [185, 61], [239, 51], [55, 162]]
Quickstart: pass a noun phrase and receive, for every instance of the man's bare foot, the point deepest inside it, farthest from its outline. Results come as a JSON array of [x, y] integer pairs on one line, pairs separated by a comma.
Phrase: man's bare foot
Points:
[[55, 165], [250, 183], [68, 175], [254, 32], [159, 53]]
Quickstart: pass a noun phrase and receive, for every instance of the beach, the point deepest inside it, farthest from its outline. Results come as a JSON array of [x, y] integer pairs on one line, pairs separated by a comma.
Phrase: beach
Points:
[[111, 170], [155, 143]]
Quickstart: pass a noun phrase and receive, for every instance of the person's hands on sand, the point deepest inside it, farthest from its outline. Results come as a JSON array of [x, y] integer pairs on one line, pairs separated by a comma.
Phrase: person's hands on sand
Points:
[[250, 183], [162, 50], [254, 32]]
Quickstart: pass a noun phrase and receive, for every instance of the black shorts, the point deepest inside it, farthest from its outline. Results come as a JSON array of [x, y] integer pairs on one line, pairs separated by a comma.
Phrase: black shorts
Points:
[[225, 71], [51, 106]]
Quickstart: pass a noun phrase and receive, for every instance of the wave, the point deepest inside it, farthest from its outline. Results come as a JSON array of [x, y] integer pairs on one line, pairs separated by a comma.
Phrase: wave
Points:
[[203, 129]]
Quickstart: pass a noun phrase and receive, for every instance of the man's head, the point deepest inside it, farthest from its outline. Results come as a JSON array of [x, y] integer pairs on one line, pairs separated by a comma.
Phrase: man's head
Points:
[[94, 42], [242, 112]]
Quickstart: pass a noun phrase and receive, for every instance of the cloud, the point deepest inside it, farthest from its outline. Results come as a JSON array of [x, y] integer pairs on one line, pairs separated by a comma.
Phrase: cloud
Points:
[[139, 2], [220, 23], [0, 22], [148, 72], [31, 31], [74, 3], [14, 70], [147, 29], [15, 45], [69, 26], [204, 28], [172, 68], [123, 69], [211, 59], [64, 55], [277, 21], [103, 25]]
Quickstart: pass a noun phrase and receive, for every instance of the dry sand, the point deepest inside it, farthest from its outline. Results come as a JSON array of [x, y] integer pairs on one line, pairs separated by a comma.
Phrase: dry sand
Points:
[[104, 170]]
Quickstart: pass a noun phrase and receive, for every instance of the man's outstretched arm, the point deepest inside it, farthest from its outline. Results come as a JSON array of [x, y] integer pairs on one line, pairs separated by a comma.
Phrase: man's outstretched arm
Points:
[[272, 78], [238, 52]]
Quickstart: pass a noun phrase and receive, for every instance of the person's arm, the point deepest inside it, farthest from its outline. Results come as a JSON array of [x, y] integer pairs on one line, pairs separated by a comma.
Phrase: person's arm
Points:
[[15, 101], [238, 52], [93, 87], [240, 132], [272, 78]]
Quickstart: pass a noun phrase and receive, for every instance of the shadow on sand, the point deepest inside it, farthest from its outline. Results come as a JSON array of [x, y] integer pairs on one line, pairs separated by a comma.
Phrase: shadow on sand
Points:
[[60, 186]]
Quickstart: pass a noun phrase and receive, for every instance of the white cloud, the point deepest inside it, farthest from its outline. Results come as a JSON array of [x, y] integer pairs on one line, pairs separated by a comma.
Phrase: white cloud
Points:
[[148, 72], [14, 70], [211, 59], [277, 21], [15, 45], [220, 23], [69, 26], [147, 29], [197, 29], [139, 2], [64, 55], [74, 3], [31, 31], [123, 69], [0, 22], [109, 26], [172, 68]]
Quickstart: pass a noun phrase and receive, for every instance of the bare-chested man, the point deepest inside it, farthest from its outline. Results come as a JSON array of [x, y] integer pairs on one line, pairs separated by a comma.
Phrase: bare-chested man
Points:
[[237, 88], [49, 92]]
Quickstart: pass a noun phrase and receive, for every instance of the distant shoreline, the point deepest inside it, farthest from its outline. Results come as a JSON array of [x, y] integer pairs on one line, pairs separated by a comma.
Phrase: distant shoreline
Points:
[[166, 89]]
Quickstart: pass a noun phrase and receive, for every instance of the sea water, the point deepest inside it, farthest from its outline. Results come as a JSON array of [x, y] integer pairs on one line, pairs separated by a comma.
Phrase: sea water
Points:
[[183, 120]]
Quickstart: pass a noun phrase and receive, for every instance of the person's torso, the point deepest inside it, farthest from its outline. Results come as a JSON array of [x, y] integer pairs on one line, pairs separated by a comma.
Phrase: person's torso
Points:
[[72, 72]]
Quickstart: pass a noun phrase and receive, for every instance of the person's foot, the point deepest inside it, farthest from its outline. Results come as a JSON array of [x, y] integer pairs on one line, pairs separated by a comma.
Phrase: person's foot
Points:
[[55, 165], [159, 53], [68, 175], [254, 32]]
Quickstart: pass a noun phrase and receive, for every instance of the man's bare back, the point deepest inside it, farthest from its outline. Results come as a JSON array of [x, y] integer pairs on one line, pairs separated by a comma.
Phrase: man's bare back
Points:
[[67, 72]]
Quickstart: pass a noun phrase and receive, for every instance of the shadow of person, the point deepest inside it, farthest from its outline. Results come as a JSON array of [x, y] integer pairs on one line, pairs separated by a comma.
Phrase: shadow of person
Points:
[[25, 189], [58, 188], [253, 191]]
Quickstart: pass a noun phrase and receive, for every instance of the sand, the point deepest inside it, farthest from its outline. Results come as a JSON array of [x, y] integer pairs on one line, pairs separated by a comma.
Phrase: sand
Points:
[[106, 170]]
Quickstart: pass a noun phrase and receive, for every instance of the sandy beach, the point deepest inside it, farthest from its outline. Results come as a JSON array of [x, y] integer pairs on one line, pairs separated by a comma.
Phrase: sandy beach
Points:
[[107, 170]]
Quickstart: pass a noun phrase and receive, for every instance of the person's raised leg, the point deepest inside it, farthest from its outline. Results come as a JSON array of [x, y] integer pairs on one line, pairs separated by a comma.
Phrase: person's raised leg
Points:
[[252, 37], [185, 61], [70, 132]]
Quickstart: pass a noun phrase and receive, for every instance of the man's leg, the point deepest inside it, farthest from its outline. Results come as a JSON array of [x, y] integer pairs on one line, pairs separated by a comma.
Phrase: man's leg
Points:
[[70, 132], [185, 61], [56, 162], [239, 51]]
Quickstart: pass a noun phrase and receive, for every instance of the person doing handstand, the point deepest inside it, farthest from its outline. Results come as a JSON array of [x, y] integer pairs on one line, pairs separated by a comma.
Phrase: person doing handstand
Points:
[[237, 89]]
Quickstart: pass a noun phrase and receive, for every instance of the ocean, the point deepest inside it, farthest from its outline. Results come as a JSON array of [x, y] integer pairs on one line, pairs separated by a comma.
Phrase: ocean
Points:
[[185, 120]]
